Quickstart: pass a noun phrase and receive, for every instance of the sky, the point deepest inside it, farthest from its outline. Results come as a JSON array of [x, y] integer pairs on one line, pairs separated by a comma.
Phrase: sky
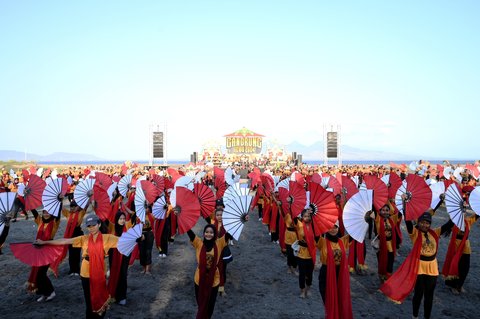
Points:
[[92, 76]]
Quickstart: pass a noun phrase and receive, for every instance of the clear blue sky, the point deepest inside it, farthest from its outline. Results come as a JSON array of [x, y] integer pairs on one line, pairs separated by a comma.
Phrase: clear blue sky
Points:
[[90, 76]]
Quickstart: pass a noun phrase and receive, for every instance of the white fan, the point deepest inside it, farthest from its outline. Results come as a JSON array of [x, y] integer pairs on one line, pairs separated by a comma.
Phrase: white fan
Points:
[[354, 214], [386, 179], [474, 200], [454, 204], [437, 190], [40, 172], [50, 197], [160, 208], [124, 184], [185, 181], [6, 204], [128, 240], [447, 172], [21, 189], [398, 195], [199, 176], [111, 190], [284, 183], [457, 173], [83, 192], [140, 203], [234, 215], [235, 190]]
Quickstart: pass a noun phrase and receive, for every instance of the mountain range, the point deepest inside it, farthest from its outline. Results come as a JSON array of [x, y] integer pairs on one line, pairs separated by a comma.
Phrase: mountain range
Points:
[[312, 152]]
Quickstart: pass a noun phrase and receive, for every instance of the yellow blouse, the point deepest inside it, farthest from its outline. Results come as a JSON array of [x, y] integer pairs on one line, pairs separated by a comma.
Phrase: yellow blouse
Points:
[[337, 252], [290, 235], [197, 243], [388, 228], [428, 249], [109, 241]]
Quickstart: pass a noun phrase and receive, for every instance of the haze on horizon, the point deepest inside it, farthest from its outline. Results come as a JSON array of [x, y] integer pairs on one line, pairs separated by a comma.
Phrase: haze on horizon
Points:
[[90, 77]]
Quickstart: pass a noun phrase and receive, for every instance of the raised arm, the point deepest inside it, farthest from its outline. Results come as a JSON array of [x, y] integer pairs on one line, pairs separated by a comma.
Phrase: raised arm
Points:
[[56, 242]]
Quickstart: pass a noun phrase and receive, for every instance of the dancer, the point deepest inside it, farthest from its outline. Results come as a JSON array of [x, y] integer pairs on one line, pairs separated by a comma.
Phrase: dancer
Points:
[[419, 271], [92, 272]]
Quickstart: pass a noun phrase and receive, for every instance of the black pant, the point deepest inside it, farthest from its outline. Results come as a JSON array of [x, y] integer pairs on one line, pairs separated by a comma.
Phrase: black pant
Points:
[[291, 259], [260, 210], [145, 246], [463, 269], [44, 284], [211, 301], [75, 254], [89, 314], [165, 237], [305, 272], [424, 287], [390, 261], [322, 280]]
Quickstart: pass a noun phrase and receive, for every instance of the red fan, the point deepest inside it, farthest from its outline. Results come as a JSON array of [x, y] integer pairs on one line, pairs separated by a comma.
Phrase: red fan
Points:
[[394, 182], [33, 192], [124, 169], [46, 173], [268, 184], [316, 178], [102, 206], [380, 190], [103, 180], [187, 209], [348, 187], [220, 186], [218, 172], [173, 174], [297, 177], [255, 179], [283, 192], [325, 212], [150, 191], [26, 176], [335, 184], [32, 170], [159, 182], [34, 255], [473, 170], [298, 197], [440, 169], [206, 198], [418, 197]]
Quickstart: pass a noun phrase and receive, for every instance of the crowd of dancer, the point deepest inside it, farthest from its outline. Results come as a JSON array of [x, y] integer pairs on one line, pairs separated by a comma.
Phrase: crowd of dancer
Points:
[[298, 233]]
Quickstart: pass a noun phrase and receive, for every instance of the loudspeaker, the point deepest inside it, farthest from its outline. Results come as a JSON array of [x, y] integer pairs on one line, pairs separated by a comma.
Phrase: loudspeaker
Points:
[[192, 158], [157, 144], [299, 159], [195, 157], [294, 156], [332, 143]]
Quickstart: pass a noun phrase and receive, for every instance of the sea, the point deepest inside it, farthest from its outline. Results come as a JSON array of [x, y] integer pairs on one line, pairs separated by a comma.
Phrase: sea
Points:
[[308, 162]]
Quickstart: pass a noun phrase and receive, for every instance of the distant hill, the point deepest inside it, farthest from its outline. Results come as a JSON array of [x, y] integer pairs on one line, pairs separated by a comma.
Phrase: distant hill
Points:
[[8, 155], [316, 152]]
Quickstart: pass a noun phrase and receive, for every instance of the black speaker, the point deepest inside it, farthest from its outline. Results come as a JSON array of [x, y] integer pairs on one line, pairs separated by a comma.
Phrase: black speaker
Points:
[[192, 158], [294, 156], [299, 159], [332, 143], [195, 157], [157, 144]]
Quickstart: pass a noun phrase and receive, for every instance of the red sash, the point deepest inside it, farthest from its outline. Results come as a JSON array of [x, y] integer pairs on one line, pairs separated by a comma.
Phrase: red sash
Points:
[[338, 303], [383, 251], [450, 267], [356, 249], [273, 217], [71, 224], [206, 281], [43, 233], [402, 282], [310, 239], [99, 296]]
